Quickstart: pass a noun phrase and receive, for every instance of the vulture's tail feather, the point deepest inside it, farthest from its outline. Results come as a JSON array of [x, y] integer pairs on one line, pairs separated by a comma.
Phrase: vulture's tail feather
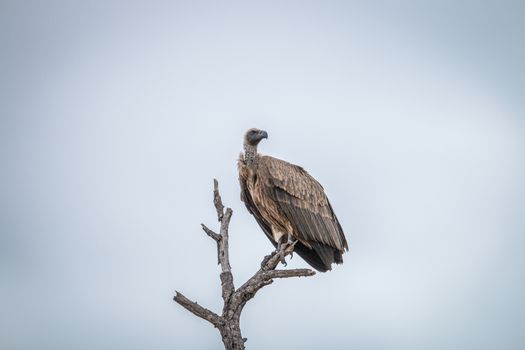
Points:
[[321, 257]]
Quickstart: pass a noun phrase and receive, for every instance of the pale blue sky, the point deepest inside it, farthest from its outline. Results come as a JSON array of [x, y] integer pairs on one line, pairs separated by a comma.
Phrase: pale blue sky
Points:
[[116, 116]]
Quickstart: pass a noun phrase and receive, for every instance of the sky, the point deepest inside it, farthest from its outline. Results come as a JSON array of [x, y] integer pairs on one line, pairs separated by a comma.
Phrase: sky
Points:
[[116, 116]]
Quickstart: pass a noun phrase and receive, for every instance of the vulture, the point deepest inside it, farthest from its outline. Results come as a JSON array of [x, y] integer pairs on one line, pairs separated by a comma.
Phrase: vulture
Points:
[[290, 206]]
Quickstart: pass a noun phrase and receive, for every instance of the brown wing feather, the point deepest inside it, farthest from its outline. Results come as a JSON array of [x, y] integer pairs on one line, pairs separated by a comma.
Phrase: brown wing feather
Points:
[[298, 200], [248, 201], [303, 201], [307, 253]]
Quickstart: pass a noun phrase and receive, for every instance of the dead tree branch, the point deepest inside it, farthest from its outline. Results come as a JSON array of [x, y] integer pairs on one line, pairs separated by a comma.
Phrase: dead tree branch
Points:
[[228, 322]]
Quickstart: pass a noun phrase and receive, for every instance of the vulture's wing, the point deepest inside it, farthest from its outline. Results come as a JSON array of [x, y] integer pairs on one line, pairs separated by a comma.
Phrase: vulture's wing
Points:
[[248, 201], [305, 252], [302, 200]]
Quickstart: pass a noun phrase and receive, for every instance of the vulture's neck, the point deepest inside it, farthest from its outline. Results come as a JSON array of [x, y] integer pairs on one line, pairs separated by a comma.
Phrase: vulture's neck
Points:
[[250, 154]]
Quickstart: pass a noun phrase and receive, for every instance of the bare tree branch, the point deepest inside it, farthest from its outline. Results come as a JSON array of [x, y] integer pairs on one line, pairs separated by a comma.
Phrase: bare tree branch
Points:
[[210, 233], [217, 200], [289, 273], [235, 299], [223, 247], [198, 310]]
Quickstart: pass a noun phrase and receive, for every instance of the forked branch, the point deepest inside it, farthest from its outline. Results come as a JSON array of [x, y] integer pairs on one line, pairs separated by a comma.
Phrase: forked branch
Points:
[[228, 322]]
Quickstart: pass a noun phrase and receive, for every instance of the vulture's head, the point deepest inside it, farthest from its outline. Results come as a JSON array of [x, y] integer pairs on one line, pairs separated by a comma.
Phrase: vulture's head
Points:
[[254, 136]]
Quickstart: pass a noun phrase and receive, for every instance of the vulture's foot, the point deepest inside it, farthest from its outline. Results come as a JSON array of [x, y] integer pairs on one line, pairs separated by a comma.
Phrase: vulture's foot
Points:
[[282, 253], [290, 245], [281, 250], [266, 258]]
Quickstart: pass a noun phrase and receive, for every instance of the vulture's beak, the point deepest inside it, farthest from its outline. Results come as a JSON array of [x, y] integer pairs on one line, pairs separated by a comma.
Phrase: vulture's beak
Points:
[[263, 134]]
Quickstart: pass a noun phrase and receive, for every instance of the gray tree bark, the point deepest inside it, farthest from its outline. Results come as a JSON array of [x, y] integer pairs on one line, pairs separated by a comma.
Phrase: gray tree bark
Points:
[[228, 323]]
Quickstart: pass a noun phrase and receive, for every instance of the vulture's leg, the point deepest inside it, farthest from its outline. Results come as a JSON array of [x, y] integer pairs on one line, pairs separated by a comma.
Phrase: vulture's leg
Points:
[[291, 243], [281, 250]]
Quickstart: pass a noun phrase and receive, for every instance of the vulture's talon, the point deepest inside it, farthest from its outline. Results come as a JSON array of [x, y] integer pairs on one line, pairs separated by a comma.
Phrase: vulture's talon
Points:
[[282, 253], [291, 246], [265, 260], [281, 250]]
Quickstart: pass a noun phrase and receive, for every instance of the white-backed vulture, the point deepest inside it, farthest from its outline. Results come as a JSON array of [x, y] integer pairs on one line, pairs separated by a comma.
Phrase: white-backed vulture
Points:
[[290, 205]]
